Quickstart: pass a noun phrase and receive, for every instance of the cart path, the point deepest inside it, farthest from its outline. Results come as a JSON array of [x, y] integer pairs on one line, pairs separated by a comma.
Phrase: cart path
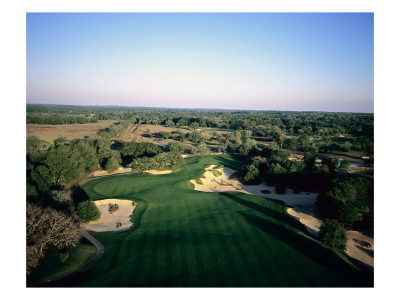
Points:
[[99, 251]]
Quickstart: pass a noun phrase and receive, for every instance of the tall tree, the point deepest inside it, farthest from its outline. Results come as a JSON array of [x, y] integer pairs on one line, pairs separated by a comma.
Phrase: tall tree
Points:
[[332, 234], [45, 227]]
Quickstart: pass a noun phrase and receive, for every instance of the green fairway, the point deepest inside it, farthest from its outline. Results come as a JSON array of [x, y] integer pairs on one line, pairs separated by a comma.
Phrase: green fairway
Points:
[[186, 238]]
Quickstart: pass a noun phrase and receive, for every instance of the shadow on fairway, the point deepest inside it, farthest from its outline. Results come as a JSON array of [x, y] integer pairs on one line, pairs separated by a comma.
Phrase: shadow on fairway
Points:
[[268, 212], [310, 249]]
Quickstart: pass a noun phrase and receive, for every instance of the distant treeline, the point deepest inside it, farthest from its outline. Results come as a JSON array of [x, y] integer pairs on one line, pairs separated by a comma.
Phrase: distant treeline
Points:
[[57, 119], [292, 123]]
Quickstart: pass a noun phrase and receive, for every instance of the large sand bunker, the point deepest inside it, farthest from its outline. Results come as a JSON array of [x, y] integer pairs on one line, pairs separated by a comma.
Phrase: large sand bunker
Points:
[[120, 170], [155, 172], [108, 221], [358, 250]]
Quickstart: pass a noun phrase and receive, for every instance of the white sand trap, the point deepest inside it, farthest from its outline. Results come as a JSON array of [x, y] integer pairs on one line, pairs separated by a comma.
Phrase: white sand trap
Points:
[[359, 252], [107, 221], [155, 172], [119, 171], [303, 204]]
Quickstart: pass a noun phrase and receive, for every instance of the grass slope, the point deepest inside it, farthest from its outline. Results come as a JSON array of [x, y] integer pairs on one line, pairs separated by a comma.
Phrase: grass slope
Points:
[[187, 238]]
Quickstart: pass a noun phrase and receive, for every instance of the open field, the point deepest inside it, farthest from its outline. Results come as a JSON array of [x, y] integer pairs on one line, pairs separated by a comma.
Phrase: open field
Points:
[[184, 237], [70, 131]]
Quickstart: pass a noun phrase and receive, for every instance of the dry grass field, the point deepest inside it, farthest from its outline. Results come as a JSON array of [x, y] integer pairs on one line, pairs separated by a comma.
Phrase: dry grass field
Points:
[[70, 131]]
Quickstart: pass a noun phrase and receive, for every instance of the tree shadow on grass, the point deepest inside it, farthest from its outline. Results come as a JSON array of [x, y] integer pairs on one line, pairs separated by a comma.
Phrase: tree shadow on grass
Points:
[[268, 212], [78, 194], [235, 163], [351, 277]]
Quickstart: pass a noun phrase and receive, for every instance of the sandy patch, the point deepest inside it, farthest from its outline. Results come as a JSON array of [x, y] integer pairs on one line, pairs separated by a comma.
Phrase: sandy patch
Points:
[[155, 172], [302, 204], [107, 221], [354, 169], [119, 171], [358, 251]]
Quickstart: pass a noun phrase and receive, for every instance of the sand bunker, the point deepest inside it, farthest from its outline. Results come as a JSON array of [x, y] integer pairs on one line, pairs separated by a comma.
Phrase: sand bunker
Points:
[[155, 172], [303, 204], [107, 221], [119, 171], [356, 249]]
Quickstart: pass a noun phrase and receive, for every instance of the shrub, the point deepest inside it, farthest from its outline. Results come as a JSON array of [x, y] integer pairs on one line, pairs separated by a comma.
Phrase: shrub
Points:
[[63, 256], [252, 174], [88, 211], [332, 234], [112, 164]]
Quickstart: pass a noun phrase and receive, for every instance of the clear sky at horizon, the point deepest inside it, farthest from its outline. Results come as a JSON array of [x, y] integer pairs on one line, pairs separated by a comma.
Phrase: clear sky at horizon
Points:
[[262, 61]]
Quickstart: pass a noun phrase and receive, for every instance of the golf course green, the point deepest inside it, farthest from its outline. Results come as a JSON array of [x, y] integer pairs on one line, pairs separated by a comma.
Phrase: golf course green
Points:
[[186, 238]]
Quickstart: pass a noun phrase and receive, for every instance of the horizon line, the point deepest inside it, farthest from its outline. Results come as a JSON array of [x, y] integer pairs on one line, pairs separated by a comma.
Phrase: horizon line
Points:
[[186, 108]]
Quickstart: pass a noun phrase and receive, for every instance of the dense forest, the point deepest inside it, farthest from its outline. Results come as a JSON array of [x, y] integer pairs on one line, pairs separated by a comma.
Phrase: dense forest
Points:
[[53, 168]]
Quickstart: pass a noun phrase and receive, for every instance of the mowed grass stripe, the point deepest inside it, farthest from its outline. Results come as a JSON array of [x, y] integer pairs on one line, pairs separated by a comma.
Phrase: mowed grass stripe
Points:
[[197, 248], [189, 249], [211, 250], [256, 271], [222, 229], [153, 263], [246, 245], [182, 264]]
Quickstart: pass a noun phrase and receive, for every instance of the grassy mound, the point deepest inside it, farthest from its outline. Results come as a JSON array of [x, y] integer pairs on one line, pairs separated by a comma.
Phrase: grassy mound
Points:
[[187, 238]]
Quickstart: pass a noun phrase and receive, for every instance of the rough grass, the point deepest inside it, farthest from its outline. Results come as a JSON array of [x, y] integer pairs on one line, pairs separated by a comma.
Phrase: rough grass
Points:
[[187, 238]]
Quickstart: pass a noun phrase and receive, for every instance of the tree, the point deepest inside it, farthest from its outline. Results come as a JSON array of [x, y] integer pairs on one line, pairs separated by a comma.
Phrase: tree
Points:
[[252, 173], [60, 141], [45, 227], [278, 135], [247, 147], [65, 164], [309, 163], [329, 165], [111, 164], [33, 145], [169, 123], [194, 125], [176, 147], [87, 211], [347, 214], [344, 166], [343, 191], [203, 149], [332, 234]]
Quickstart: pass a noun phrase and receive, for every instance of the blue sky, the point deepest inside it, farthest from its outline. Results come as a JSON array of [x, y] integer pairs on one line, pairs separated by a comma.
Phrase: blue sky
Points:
[[262, 61]]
